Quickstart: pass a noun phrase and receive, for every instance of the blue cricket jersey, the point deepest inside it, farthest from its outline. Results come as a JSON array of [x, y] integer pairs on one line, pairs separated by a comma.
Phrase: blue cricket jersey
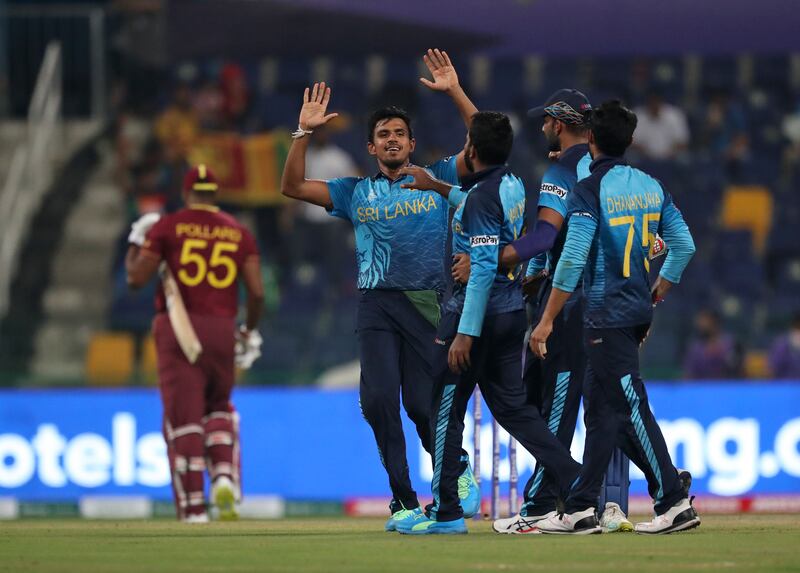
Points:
[[490, 216], [401, 234], [557, 182], [614, 215]]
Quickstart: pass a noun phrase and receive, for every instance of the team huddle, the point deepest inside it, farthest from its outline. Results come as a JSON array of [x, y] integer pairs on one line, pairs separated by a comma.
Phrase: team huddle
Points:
[[598, 225]]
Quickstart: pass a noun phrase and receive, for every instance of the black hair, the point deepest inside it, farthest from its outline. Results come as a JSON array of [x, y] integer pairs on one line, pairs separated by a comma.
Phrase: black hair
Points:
[[612, 125], [578, 129], [492, 136], [384, 113]]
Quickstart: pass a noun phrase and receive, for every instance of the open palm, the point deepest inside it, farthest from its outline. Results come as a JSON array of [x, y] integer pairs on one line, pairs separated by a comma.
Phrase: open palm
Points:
[[315, 104], [442, 70]]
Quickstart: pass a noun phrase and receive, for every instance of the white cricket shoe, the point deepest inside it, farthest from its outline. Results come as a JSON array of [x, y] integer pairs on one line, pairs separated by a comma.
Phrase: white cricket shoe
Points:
[[223, 494], [614, 519], [520, 524], [679, 517], [578, 523], [196, 518]]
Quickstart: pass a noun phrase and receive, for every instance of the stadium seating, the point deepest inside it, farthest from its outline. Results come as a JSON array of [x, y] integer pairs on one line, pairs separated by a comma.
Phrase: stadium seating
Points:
[[748, 208], [110, 359], [743, 217], [148, 367], [756, 365]]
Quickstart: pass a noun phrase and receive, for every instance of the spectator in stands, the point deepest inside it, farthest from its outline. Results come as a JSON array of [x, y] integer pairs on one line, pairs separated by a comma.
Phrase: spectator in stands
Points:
[[724, 132], [177, 126], [713, 353], [662, 132], [313, 225], [790, 126], [132, 131], [235, 96], [208, 105], [784, 356]]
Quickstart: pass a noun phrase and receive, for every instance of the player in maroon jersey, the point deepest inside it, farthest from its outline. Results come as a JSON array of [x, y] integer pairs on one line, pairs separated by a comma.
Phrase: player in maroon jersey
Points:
[[207, 252]]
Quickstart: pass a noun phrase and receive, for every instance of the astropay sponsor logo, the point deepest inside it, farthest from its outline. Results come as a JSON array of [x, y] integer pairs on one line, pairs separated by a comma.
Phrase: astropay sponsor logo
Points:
[[484, 240], [87, 459], [553, 190]]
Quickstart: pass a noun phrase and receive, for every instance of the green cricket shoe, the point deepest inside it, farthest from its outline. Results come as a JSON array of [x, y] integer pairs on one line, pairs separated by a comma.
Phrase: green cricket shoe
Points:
[[224, 497], [399, 516], [614, 519], [422, 525], [469, 493]]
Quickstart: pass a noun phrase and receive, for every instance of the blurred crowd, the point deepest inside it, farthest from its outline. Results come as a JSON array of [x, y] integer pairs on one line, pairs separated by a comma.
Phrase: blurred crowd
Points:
[[737, 315]]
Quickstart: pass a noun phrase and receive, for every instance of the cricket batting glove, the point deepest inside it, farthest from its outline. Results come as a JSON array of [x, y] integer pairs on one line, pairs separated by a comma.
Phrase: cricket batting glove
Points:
[[248, 348], [657, 248], [141, 226]]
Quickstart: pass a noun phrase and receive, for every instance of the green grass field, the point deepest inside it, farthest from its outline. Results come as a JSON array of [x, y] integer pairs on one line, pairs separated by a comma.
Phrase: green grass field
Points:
[[731, 543]]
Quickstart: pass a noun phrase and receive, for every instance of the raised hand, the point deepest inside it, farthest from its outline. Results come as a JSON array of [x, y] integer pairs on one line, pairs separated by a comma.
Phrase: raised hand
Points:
[[442, 70], [315, 104]]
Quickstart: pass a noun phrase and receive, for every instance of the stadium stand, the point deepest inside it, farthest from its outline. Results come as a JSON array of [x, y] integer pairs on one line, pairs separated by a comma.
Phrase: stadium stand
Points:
[[736, 184], [729, 205], [110, 359]]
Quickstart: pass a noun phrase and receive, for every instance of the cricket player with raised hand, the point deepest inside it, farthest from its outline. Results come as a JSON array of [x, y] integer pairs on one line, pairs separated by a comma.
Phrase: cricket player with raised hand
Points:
[[478, 340], [401, 236], [613, 218], [203, 254]]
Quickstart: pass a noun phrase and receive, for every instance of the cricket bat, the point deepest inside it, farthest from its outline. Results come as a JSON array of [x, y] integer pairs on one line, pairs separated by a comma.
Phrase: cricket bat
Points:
[[178, 317]]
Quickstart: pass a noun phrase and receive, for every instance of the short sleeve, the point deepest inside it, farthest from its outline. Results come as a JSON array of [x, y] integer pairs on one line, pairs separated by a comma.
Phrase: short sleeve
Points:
[[555, 189], [445, 170], [248, 246], [155, 242], [481, 214], [341, 192]]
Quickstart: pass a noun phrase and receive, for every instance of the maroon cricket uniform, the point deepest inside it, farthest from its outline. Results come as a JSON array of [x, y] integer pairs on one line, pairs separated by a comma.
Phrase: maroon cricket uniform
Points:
[[205, 249]]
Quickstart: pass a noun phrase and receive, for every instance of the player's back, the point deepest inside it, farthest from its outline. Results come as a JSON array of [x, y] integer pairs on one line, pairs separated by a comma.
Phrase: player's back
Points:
[[205, 248], [626, 205], [491, 216]]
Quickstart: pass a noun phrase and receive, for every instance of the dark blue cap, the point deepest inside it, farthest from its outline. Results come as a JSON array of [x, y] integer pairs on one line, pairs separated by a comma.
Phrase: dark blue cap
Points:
[[567, 105]]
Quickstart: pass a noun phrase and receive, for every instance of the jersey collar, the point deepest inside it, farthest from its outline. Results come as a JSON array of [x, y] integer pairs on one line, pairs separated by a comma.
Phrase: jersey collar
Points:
[[606, 162], [471, 179], [575, 152], [381, 175], [204, 207]]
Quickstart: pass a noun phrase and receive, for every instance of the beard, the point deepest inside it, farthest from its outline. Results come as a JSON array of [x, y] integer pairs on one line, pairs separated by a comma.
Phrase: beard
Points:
[[553, 144], [394, 163], [468, 162]]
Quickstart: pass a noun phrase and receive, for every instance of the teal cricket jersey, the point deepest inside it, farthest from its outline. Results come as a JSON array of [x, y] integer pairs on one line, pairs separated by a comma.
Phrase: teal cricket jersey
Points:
[[491, 215], [401, 234], [614, 215], [557, 183]]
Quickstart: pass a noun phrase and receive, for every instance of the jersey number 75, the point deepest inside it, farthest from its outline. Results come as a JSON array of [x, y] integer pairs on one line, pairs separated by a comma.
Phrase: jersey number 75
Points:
[[647, 237]]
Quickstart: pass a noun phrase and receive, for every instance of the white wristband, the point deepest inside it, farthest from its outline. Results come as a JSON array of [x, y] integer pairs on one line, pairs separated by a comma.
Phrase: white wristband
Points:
[[301, 132]]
